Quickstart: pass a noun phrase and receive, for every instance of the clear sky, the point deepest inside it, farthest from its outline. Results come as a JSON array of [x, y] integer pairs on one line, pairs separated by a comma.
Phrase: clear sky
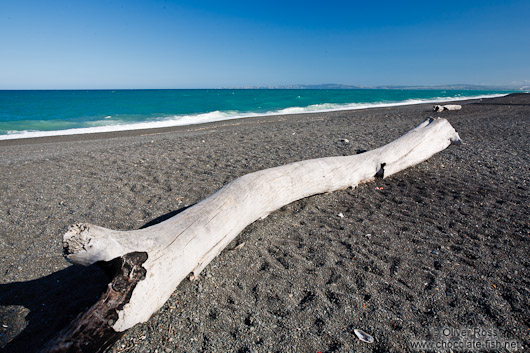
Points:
[[201, 44]]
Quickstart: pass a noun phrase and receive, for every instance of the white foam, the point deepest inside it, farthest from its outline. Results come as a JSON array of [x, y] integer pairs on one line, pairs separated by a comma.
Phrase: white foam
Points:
[[181, 120]]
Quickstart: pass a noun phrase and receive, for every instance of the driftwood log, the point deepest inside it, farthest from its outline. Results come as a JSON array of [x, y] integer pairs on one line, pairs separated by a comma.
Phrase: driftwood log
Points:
[[150, 263], [441, 108]]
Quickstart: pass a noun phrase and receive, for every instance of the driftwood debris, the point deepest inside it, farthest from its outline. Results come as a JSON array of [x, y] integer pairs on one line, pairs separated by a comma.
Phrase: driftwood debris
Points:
[[151, 262], [441, 108]]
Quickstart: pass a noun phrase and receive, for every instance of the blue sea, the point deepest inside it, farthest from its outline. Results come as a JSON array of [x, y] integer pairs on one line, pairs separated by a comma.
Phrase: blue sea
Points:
[[26, 114]]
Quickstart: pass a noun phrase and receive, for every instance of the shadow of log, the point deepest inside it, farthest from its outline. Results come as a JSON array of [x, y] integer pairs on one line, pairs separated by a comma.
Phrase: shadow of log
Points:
[[53, 302], [164, 217]]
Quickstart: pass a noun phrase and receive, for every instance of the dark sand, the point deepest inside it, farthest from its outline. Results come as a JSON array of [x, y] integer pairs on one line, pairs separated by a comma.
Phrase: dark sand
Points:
[[448, 244]]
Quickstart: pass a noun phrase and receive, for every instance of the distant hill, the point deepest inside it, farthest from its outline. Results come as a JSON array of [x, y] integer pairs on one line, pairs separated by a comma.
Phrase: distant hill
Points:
[[439, 87], [459, 86]]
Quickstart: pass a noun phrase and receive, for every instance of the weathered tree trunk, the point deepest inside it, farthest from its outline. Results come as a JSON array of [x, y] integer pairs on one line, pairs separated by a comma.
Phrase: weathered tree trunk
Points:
[[151, 262], [441, 108]]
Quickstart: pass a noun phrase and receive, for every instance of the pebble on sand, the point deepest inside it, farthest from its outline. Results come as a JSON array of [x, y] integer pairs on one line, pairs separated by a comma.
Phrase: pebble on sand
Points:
[[363, 336]]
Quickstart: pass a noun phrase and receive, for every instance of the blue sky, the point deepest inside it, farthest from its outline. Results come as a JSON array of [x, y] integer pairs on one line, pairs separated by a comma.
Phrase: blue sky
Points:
[[202, 44]]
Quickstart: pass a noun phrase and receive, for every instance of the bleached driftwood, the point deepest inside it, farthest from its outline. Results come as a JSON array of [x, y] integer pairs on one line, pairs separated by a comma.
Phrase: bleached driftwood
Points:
[[441, 108], [151, 262]]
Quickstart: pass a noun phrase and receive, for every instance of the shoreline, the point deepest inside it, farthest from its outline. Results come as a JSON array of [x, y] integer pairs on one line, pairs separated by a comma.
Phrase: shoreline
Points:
[[442, 244], [168, 124]]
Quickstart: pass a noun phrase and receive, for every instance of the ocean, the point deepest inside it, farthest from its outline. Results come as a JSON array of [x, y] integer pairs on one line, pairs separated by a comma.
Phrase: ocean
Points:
[[26, 114]]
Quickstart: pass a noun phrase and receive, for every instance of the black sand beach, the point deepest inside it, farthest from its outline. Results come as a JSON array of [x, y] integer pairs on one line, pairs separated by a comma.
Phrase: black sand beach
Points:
[[444, 244]]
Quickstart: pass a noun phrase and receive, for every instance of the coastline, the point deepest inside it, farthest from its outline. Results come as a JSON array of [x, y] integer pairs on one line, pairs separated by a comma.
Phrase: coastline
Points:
[[443, 244], [177, 122]]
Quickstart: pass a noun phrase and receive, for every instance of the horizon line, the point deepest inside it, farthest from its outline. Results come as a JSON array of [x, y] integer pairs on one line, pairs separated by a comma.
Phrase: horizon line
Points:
[[337, 86]]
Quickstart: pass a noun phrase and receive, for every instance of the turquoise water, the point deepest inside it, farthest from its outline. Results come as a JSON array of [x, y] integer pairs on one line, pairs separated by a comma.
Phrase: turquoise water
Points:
[[46, 113]]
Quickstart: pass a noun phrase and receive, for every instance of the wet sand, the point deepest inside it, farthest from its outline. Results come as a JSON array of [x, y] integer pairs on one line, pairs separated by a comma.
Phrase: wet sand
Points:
[[443, 244]]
